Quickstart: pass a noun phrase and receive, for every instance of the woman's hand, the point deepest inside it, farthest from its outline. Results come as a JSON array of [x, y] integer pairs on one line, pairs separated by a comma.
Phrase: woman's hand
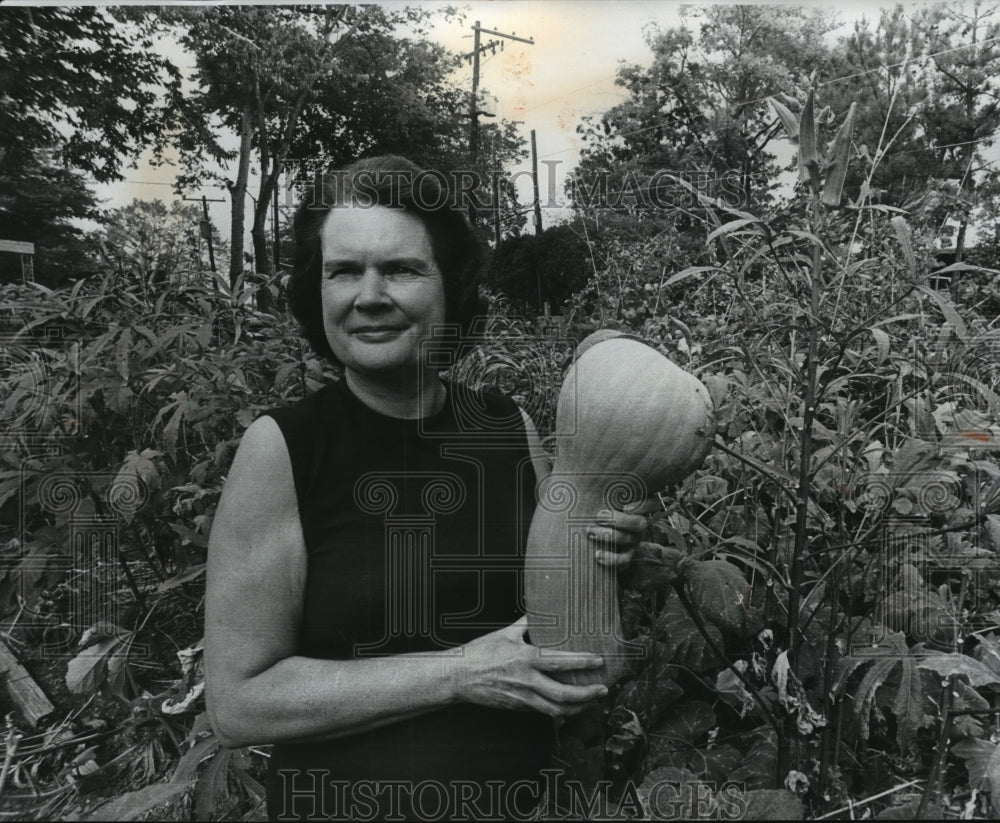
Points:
[[503, 671], [618, 533]]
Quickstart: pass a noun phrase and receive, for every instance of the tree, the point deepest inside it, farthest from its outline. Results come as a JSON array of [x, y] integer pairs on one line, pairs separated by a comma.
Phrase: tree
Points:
[[535, 269], [80, 81], [927, 105], [700, 108], [963, 112], [309, 82], [883, 69], [80, 93], [39, 200], [152, 244]]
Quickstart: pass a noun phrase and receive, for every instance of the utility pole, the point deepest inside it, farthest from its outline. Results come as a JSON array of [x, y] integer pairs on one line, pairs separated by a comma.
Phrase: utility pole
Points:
[[474, 134], [496, 202], [534, 185], [478, 49], [536, 203], [206, 224]]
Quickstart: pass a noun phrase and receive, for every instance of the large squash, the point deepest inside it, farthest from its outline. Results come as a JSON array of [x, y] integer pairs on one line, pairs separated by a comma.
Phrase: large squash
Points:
[[628, 423]]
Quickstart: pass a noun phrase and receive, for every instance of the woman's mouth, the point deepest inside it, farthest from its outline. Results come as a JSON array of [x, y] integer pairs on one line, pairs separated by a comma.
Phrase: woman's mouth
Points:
[[375, 334]]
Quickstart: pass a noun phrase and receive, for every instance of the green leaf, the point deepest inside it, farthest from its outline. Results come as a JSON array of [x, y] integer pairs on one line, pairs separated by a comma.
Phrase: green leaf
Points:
[[759, 765], [715, 764], [908, 706], [133, 805], [735, 225], [721, 594], [683, 643], [673, 739], [185, 576], [136, 477], [662, 804], [653, 569], [187, 767], [905, 238], [864, 700], [212, 785], [840, 155], [691, 271], [882, 341], [982, 760], [808, 153], [122, 350], [173, 425], [788, 121], [773, 804], [947, 664], [988, 650], [951, 315]]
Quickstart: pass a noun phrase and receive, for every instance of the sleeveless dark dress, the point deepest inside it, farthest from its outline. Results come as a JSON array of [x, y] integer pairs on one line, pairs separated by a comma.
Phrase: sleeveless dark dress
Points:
[[415, 533]]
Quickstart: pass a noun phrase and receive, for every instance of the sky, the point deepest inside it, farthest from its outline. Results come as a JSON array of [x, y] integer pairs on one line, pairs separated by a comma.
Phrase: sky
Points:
[[569, 72]]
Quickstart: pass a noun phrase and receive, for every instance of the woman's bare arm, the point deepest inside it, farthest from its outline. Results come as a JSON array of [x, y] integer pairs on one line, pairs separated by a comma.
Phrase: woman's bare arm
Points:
[[258, 688]]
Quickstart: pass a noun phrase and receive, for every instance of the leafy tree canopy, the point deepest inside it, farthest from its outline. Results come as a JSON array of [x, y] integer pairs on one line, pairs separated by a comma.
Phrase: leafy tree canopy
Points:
[[702, 104], [78, 79]]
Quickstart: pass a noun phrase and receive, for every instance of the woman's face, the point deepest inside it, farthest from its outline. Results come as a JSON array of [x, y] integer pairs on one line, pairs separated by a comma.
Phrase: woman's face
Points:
[[381, 288]]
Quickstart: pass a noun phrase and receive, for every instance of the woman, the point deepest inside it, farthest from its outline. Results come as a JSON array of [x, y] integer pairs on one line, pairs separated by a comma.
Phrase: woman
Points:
[[364, 604]]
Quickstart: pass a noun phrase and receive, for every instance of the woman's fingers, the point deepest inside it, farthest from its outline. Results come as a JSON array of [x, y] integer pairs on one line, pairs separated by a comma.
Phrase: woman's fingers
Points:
[[563, 694], [615, 560], [650, 505], [550, 660]]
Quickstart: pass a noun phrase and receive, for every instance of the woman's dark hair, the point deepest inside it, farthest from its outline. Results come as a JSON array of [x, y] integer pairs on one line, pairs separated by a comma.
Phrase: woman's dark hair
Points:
[[394, 182]]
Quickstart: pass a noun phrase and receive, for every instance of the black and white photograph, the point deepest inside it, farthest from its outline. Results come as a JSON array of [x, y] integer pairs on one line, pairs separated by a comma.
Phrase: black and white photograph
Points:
[[505, 410]]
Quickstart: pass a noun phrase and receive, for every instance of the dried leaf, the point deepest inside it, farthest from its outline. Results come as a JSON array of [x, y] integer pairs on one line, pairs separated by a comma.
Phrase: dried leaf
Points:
[[86, 672], [731, 689], [792, 696]]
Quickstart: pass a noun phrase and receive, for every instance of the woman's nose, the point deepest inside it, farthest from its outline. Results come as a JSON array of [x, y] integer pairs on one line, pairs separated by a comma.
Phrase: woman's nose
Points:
[[371, 289]]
